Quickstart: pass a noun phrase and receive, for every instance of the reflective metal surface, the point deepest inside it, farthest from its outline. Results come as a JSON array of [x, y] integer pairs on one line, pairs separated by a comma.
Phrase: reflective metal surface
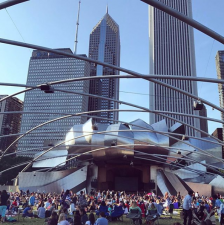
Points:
[[74, 179]]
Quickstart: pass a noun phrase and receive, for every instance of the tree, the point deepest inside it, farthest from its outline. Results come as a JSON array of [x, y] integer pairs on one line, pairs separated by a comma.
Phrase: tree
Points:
[[7, 162]]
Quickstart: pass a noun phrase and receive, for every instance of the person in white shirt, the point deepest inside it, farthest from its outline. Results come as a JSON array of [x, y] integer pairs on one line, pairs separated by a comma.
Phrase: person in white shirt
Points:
[[187, 207]]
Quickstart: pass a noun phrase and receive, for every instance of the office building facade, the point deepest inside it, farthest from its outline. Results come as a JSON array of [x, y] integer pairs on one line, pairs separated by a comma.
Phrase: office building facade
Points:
[[220, 74], [9, 123], [203, 122], [104, 45], [45, 67], [172, 52]]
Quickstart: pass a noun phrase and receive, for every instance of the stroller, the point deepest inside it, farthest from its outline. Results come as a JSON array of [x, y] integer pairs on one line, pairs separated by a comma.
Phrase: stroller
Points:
[[198, 218]]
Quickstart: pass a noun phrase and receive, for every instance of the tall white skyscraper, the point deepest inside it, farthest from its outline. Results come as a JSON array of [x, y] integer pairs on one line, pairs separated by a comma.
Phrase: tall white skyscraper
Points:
[[172, 52], [45, 67]]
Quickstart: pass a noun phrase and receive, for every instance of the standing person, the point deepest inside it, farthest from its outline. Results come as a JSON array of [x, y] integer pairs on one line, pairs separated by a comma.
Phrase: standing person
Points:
[[187, 210], [3, 204], [32, 199], [220, 209], [82, 200]]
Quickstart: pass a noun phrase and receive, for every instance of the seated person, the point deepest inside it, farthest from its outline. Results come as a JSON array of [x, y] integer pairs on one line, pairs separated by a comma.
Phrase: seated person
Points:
[[28, 212], [41, 211], [152, 214], [102, 220], [102, 208], [117, 212], [53, 220], [135, 206], [135, 212], [176, 204]]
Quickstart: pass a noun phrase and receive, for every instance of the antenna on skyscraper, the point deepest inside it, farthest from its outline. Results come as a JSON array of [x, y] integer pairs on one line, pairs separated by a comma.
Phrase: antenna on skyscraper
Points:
[[77, 29], [107, 9]]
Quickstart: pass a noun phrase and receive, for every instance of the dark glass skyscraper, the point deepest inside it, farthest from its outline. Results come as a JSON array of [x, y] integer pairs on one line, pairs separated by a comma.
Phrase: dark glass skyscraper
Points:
[[172, 52], [104, 45]]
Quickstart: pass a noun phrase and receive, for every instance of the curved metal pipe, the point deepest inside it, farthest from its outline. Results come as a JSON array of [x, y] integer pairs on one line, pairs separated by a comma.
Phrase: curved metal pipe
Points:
[[106, 119], [78, 114], [159, 76], [190, 169], [95, 150], [9, 3], [26, 45], [119, 110], [102, 132], [94, 117], [140, 107]]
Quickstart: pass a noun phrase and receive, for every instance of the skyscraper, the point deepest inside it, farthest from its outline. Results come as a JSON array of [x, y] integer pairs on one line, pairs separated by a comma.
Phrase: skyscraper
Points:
[[203, 122], [220, 73], [104, 45], [9, 123], [45, 67], [172, 53]]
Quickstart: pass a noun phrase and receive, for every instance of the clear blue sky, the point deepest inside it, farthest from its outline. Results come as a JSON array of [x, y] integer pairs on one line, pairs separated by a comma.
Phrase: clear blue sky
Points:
[[52, 23]]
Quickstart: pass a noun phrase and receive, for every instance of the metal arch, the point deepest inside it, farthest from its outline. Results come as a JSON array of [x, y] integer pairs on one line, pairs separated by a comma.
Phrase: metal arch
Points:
[[78, 115], [135, 74], [93, 150], [17, 93], [168, 133], [140, 107], [167, 147], [84, 153], [185, 19], [112, 110], [106, 119], [9, 3], [153, 111], [96, 96], [154, 155], [159, 76]]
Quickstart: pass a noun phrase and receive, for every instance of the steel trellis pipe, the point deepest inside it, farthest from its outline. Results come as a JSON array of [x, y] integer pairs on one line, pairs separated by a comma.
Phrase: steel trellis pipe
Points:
[[9, 3], [135, 74], [102, 132], [159, 76], [78, 114], [120, 110], [84, 153], [140, 107], [116, 121], [153, 155], [96, 96]]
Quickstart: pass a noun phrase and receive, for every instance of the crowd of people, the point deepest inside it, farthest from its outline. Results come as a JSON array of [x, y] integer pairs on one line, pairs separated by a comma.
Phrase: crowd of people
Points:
[[69, 208]]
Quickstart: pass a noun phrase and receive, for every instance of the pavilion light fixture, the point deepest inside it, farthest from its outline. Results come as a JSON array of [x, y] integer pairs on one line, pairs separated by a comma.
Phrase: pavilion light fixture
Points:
[[47, 88], [198, 105]]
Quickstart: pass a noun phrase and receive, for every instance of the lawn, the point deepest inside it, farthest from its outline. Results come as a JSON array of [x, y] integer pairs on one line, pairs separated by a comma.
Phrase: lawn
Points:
[[162, 221]]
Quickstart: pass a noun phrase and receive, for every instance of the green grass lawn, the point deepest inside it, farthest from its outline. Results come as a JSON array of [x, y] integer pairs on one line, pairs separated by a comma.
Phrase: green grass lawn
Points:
[[163, 221]]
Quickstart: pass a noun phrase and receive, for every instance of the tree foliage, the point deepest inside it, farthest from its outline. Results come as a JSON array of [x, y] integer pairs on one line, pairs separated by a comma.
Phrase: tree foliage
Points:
[[7, 162]]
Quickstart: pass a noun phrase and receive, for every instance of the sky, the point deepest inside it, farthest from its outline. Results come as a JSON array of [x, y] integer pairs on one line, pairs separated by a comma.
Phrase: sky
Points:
[[52, 23]]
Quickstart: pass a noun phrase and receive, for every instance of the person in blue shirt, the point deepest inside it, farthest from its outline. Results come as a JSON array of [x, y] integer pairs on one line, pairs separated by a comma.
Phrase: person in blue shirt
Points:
[[220, 209], [32, 199], [28, 212], [187, 209], [102, 220]]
